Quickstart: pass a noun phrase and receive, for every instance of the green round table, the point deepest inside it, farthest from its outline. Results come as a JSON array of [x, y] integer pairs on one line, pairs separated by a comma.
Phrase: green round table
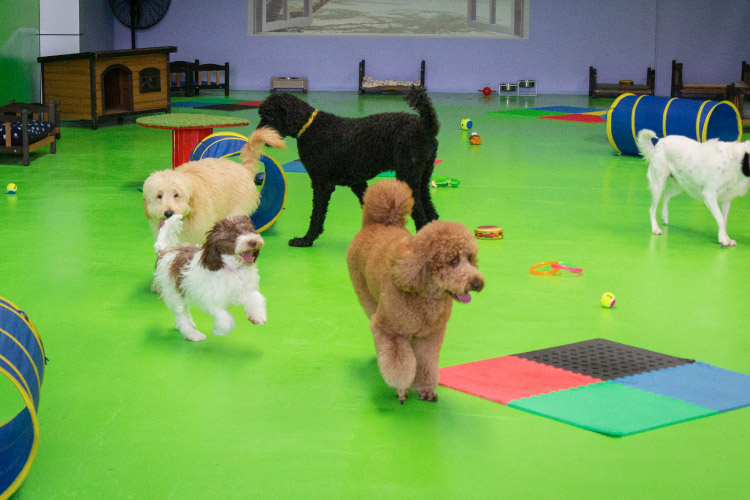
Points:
[[188, 129]]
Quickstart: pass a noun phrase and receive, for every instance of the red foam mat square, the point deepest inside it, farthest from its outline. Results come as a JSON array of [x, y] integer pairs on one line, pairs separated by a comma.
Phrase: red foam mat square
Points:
[[576, 117], [507, 378]]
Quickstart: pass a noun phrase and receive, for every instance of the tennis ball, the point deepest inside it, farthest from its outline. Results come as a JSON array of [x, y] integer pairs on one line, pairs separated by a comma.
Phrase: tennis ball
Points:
[[12, 188], [466, 124], [608, 300]]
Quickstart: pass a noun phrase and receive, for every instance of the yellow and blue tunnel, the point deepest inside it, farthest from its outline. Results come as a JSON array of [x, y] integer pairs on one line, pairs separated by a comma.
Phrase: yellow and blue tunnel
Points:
[[699, 120]]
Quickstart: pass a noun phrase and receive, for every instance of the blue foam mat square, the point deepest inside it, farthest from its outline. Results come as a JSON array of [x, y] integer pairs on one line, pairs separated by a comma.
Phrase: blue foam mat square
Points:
[[698, 383], [188, 104], [294, 166]]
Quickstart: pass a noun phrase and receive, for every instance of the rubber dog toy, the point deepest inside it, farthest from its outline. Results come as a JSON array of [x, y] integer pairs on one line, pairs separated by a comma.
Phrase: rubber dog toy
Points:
[[554, 268]]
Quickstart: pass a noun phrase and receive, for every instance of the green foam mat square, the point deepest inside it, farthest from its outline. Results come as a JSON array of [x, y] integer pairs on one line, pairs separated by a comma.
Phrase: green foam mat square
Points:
[[611, 408]]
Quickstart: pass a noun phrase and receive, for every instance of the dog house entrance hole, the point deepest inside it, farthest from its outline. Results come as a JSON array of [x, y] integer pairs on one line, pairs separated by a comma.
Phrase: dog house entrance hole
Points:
[[117, 90]]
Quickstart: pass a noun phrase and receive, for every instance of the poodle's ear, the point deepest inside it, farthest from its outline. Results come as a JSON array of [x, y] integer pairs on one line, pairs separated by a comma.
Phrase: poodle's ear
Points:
[[211, 258], [407, 269], [145, 208]]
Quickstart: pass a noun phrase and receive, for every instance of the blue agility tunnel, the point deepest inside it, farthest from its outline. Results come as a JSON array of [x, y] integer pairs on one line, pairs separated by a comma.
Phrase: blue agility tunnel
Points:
[[699, 120], [274, 188], [22, 361]]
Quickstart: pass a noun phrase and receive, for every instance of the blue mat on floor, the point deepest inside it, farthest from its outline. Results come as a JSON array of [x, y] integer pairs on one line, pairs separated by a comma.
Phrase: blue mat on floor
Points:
[[294, 166], [297, 166], [698, 383], [189, 104]]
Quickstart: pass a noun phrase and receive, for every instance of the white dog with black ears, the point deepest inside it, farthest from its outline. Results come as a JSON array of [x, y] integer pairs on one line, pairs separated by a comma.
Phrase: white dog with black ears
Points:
[[714, 171], [214, 276]]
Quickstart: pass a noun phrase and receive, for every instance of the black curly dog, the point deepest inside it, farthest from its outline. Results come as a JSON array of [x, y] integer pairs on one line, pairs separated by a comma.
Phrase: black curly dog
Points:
[[340, 151]]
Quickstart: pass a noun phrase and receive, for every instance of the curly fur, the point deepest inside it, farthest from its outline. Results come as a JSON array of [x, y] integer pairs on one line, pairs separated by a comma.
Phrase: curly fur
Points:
[[714, 171], [407, 284], [220, 273], [207, 190], [349, 151]]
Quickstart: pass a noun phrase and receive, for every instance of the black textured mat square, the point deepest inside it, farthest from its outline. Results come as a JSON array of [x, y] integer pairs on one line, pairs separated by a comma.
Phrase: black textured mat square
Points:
[[603, 359]]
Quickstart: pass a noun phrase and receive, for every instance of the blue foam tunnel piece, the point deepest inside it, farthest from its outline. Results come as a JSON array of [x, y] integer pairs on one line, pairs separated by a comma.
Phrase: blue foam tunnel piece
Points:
[[274, 188], [22, 361], [699, 120]]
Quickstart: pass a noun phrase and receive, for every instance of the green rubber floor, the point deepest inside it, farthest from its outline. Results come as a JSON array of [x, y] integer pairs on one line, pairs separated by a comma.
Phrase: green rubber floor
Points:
[[296, 408]]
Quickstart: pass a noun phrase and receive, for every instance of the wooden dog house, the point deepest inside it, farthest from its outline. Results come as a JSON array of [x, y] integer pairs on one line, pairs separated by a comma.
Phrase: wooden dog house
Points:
[[93, 85]]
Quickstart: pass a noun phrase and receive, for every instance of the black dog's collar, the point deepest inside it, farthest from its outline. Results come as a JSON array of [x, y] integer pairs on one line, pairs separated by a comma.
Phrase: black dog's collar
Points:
[[307, 124]]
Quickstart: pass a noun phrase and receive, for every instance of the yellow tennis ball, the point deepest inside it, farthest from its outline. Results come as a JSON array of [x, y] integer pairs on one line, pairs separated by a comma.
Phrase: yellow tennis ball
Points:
[[608, 300], [466, 124], [11, 188]]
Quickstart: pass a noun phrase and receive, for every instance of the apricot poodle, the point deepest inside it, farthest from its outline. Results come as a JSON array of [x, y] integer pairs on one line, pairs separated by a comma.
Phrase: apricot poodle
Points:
[[407, 285]]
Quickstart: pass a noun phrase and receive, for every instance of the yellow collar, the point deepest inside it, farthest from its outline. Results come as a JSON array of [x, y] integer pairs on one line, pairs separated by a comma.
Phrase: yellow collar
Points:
[[309, 122]]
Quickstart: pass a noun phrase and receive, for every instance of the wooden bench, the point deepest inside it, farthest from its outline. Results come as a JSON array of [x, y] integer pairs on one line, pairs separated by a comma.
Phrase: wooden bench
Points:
[[702, 90], [23, 116], [211, 76], [624, 87]]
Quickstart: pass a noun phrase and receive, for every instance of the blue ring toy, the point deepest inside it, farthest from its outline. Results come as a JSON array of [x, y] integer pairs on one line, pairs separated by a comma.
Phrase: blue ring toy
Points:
[[274, 188], [22, 361]]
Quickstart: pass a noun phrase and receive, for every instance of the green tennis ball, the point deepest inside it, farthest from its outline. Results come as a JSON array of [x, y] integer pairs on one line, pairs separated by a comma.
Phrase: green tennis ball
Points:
[[12, 188], [466, 124]]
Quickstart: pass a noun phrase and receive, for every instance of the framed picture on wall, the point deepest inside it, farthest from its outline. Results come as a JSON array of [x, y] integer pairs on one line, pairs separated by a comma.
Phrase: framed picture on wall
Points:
[[423, 18]]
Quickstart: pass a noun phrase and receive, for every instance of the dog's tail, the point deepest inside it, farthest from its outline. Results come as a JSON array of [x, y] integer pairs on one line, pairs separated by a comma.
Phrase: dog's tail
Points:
[[387, 202], [645, 144], [251, 151], [419, 101], [168, 233]]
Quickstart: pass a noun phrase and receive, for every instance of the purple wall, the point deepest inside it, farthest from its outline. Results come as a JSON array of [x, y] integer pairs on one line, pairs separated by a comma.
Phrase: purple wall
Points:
[[620, 39]]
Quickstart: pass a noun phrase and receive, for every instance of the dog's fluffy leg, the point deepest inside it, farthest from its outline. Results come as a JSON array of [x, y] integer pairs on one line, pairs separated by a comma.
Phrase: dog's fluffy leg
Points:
[[321, 198], [657, 179], [168, 233], [223, 321], [396, 360], [255, 308], [673, 190], [184, 322], [186, 326], [427, 352], [713, 206]]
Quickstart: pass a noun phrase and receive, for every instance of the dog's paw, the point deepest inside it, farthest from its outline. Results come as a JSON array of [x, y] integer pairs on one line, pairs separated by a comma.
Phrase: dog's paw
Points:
[[402, 395], [195, 336], [728, 243], [428, 395], [300, 242], [257, 318], [656, 231]]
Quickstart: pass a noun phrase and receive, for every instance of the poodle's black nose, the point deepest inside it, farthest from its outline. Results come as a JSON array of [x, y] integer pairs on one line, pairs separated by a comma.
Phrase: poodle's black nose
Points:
[[168, 214], [477, 285]]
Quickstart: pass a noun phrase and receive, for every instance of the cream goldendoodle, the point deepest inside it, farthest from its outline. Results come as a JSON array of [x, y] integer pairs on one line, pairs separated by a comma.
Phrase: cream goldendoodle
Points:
[[208, 190], [407, 285]]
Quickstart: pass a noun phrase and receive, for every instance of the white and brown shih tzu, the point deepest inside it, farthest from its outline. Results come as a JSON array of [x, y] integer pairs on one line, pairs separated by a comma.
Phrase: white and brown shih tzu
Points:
[[220, 273]]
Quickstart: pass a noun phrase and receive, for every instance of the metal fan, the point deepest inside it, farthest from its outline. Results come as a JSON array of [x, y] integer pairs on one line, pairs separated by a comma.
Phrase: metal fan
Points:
[[139, 14]]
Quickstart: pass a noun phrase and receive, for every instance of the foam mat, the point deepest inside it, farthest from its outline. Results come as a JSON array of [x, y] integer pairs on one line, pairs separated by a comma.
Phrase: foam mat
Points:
[[603, 386]]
